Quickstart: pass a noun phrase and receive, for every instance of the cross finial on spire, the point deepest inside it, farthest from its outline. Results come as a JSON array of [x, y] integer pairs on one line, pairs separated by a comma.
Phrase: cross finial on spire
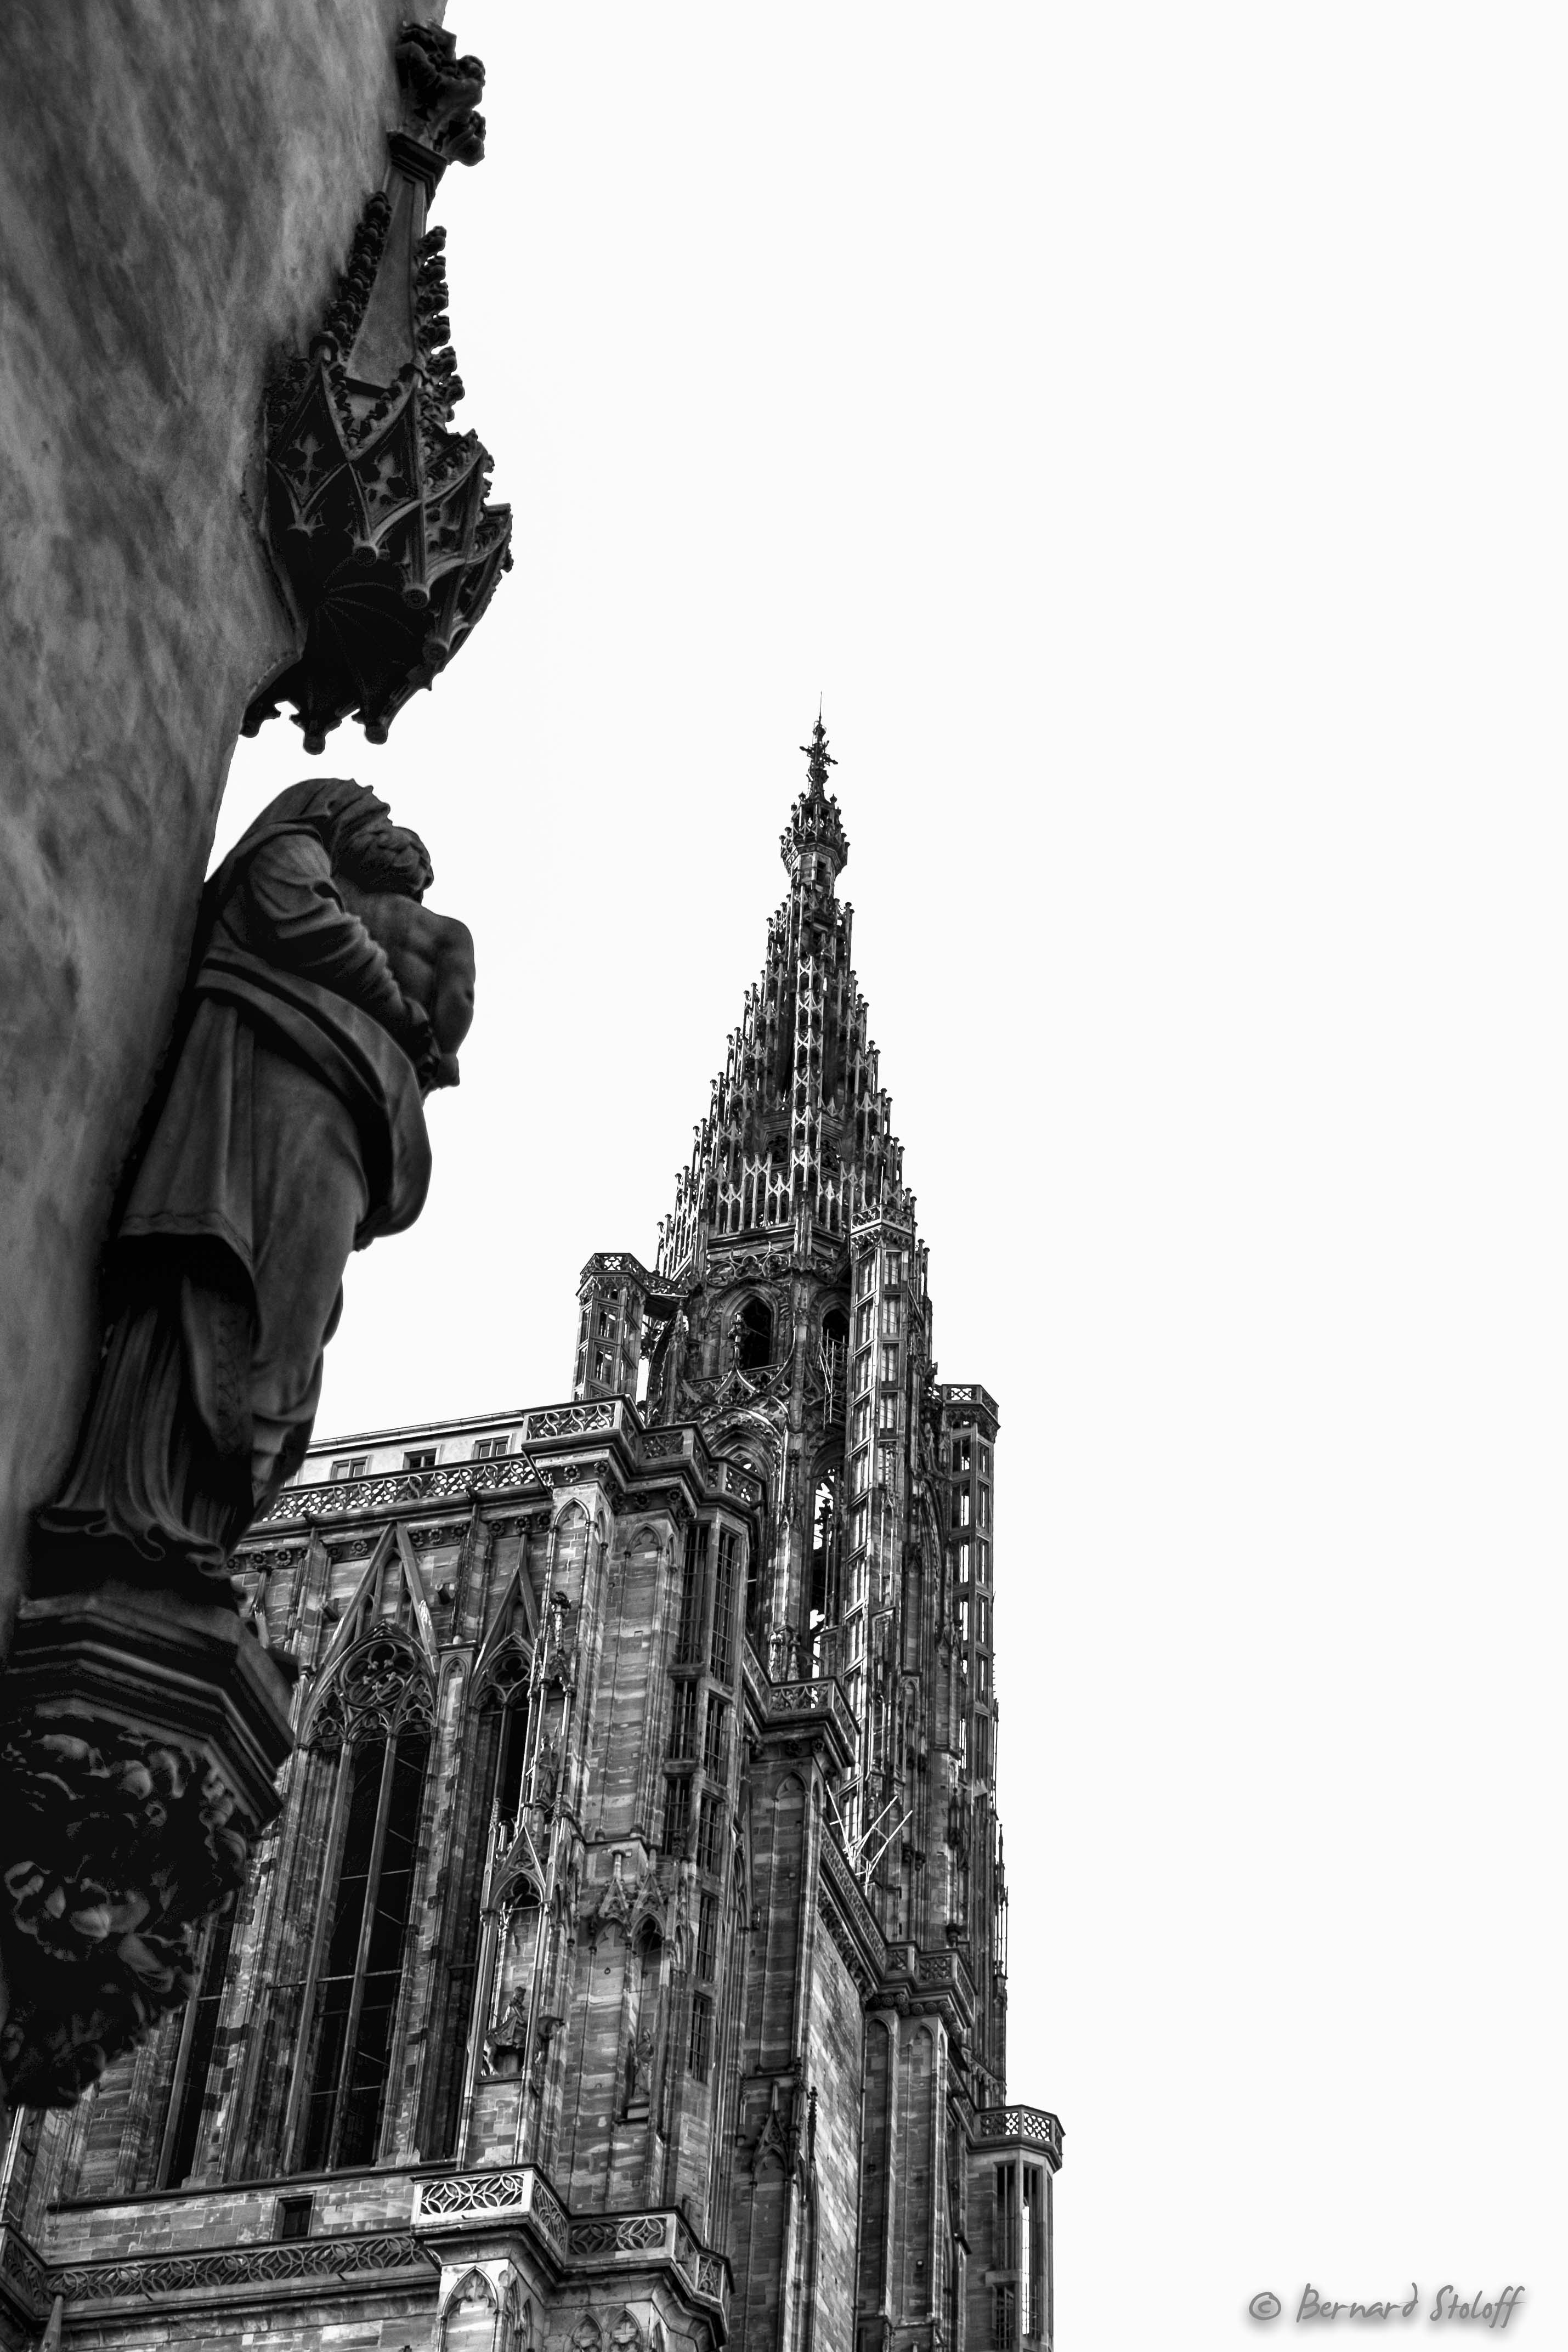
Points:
[[819, 758]]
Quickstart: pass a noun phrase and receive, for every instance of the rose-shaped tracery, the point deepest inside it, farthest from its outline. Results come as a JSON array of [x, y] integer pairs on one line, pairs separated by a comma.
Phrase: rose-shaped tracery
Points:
[[381, 1688]]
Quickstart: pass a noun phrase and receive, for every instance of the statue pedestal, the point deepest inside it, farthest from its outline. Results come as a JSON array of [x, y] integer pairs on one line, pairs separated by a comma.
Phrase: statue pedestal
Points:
[[140, 1737]]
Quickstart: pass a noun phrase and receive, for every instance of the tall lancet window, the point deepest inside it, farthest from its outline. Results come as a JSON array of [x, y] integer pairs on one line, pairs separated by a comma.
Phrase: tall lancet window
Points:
[[378, 1716], [754, 1336]]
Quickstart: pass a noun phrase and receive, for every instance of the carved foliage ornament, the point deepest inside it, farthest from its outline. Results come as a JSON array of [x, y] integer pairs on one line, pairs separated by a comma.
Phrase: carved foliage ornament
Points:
[[127, 1846], [375, 514]]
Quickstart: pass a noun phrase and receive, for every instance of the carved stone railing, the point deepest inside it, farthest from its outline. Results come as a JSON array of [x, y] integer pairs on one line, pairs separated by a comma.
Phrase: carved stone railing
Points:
[[660, 1444], [459, 1480], [970, 1393], [938, 1970], [707, 2274], [150, 2277], [821, 1700], [623, 2234], [575, 1420], [678, 1439], [466, 2199], [1035, 2126], [464, 2202], [500, 1473], [341, 1497]]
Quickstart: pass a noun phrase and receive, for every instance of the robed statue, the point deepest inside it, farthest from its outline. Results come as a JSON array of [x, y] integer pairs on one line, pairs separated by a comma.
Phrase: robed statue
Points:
[[324, 1003]]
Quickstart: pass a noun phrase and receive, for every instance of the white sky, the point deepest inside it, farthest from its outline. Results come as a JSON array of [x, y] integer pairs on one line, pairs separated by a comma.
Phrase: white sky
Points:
[[1145, 427]]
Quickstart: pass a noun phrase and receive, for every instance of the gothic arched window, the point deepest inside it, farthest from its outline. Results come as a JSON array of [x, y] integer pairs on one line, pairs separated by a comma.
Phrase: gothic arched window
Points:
[[496, 1743], [378, 1715], [754, 1336]]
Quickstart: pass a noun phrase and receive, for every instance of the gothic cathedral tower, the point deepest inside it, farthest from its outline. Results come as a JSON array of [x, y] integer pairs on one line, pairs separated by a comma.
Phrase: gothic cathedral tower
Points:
[[788, 1316]]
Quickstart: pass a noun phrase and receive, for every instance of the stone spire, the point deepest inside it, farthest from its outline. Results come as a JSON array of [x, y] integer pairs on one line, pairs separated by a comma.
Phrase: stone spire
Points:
[[798, 1126]]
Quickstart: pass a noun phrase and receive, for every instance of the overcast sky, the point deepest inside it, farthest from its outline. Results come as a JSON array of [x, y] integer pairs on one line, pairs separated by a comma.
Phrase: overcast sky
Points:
[[1145, 427]]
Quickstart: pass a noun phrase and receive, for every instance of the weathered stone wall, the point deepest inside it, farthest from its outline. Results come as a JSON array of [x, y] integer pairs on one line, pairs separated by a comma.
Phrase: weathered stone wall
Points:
[[178, 188], [834, 2053]]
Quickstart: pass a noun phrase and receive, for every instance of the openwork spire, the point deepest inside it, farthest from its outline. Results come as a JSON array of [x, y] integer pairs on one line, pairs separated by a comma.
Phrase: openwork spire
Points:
[[797, 1123]]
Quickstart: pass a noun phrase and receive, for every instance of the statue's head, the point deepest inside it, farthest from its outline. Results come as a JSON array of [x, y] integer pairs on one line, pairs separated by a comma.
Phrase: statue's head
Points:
[[383, 856], [332, 806], [353, 825]]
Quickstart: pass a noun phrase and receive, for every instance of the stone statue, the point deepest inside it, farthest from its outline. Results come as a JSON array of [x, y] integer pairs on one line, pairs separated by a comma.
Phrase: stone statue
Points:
[[508, 2035], [324, 1002], [546, 1773], [641, 2065]]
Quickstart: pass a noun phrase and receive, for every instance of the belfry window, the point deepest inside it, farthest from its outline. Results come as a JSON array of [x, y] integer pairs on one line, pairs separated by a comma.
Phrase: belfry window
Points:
[[699, 2047], [689, 1624], [677, 1817], [707, 1934], [683, 1722], [826, 1551], [721, 1655], [754, 1336]]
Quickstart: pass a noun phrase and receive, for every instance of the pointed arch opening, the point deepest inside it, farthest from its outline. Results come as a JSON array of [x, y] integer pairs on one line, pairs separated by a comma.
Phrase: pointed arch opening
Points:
[[754, 1336], [471, 2321], [825, 1598], [377, 1714], [358, 1991]]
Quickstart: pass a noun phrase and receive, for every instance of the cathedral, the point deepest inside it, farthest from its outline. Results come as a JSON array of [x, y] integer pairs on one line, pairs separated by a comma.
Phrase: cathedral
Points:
[[626, 1967]]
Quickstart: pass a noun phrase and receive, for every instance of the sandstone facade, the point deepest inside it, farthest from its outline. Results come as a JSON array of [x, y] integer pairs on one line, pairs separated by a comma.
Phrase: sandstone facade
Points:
[[627, 1966]]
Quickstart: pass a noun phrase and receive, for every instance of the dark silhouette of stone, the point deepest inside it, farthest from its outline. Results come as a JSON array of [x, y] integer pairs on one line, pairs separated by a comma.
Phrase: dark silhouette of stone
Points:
[[376, 517], [290, 1130], [143, 1721]]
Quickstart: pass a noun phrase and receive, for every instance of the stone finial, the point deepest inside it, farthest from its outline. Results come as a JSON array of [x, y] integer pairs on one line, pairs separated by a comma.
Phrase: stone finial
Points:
[[815, 848]]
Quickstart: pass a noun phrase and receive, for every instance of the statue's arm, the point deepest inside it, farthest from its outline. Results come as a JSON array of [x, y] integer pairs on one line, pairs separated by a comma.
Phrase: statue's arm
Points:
[[294, 917]]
